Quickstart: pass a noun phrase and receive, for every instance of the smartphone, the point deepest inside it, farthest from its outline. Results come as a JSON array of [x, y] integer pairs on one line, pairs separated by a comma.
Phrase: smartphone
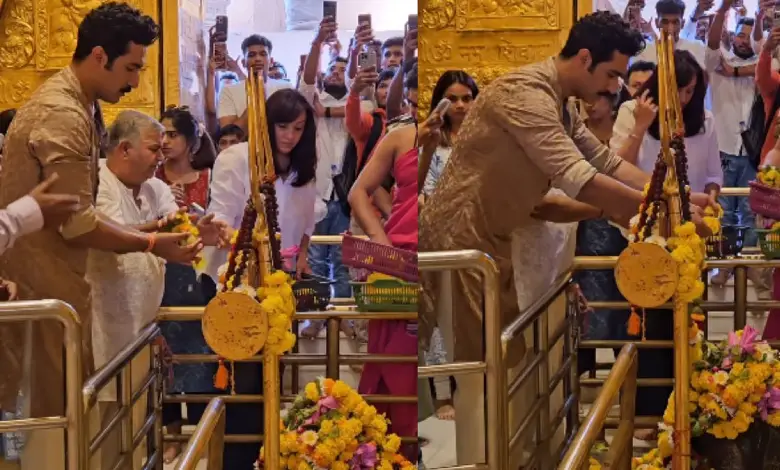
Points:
[[220, 55], [196, 209], [776, 16], [367, 59], [364, 19], [412, 23], [443, 106], [221, 28], [329, 9], [635, 17]]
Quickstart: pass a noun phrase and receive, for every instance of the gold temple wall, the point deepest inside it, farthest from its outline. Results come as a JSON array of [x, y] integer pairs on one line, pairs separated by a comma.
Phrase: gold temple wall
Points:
[[486, 38], [37, 38]]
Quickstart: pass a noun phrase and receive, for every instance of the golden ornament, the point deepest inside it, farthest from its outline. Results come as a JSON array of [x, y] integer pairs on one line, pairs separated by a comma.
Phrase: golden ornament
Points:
[[646, 274], [235, 326]]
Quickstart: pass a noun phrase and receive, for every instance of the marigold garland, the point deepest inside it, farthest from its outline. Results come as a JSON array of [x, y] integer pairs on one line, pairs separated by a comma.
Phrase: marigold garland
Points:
[[181, 223], [769, 175], [686, 247], [733, 384], [330, 426]]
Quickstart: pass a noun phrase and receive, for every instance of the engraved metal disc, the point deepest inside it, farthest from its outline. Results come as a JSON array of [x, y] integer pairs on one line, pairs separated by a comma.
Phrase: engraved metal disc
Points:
[[646, 274], [235, 326]]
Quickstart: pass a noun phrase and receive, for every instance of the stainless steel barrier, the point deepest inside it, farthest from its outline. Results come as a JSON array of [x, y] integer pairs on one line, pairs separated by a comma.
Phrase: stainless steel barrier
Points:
[[73, 421], [119, 368], [209, 436], [493, 366]]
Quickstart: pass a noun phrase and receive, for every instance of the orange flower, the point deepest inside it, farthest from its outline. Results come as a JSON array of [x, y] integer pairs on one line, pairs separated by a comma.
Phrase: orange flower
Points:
[[328, 385]]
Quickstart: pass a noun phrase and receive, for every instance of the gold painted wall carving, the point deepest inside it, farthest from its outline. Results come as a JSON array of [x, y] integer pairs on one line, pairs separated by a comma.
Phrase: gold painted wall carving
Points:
[[487, 38], [37, 38]]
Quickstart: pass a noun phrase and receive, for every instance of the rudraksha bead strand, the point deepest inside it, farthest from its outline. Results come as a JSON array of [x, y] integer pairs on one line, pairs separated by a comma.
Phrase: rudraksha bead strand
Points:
[[268, 189]]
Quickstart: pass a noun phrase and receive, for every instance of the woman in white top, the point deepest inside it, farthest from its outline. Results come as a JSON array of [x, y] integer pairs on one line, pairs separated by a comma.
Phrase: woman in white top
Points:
[[635, 138], [635, 135], [293, 139]]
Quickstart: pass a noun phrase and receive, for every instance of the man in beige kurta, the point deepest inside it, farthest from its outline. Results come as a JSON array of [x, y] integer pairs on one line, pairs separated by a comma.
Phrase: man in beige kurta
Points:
[[521, 137], [60, 130]]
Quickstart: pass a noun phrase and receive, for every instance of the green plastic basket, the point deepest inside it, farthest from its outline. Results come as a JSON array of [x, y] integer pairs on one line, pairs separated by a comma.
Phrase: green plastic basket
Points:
[[769, 242], [386, 295]]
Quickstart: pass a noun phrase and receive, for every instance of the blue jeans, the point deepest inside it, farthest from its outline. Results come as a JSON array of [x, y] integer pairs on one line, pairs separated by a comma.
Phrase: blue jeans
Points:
[[325, 260], [737, 173]]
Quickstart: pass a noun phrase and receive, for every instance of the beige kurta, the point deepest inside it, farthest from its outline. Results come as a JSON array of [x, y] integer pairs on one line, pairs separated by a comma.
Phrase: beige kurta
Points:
[[57, 130], [520, 137]]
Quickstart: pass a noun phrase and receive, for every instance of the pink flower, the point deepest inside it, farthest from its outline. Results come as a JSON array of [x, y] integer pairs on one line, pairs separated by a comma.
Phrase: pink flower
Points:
[[745, 344], [769, 402]]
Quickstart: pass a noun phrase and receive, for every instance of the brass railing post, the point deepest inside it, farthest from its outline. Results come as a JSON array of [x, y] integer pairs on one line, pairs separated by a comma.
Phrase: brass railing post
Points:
[[740, 297]]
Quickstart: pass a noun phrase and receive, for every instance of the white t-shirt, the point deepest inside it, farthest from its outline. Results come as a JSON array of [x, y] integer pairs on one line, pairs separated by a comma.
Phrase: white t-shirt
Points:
[[230, 193], [732, 100], [332, 138], [232, 100], [126, 289], [701, 149]]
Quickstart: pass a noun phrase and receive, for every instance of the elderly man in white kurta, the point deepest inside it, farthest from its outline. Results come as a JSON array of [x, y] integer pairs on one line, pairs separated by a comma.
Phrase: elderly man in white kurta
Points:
[[127, 288]]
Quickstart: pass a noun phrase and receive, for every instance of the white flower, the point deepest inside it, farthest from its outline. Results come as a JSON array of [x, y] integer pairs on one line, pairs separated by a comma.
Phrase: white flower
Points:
[[245, 289], [222, 270], [657, 239]]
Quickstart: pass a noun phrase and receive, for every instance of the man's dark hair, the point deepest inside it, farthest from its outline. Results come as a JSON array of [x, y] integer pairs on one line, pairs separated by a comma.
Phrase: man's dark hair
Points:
[[393, 42], [386, 74], [670, 7], [745, 21], [113, 26], [640, 66], [230, 129], [602, 33], [410, 81], [228, 76], [278, 65], [256, 40], [338, 59]]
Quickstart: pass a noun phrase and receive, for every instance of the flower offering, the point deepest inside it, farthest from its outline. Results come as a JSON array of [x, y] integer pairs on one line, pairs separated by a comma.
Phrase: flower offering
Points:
[[181, 223], [734, 384], [331, 427]]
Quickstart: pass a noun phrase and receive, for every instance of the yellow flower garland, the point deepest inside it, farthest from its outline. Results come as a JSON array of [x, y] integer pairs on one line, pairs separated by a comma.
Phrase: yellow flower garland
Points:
[[723, 402], [770, 176], [278, 301], [182, 223], [331, 439]]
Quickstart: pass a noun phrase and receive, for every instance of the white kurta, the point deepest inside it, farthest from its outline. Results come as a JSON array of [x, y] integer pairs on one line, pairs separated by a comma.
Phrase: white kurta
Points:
[[126, 289]]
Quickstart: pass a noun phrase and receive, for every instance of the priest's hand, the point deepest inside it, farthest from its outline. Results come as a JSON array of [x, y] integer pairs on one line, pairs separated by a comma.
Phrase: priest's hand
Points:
[[169, 246], [9, 290], [213, 232]]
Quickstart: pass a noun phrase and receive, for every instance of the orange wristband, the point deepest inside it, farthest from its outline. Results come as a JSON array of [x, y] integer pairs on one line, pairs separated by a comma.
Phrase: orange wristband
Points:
[[152, 239]]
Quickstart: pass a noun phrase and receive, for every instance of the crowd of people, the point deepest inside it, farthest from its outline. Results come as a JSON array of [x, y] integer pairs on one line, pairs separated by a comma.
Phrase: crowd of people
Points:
[[582, 130], [89, 202]]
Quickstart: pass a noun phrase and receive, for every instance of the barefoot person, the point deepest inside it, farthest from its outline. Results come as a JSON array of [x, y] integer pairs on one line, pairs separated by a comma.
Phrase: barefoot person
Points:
[[59, 130], [521, 137]]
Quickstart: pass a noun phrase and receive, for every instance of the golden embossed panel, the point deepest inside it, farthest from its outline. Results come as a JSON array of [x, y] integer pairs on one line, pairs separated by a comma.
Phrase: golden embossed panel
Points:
[[37, 38], [486, 38]]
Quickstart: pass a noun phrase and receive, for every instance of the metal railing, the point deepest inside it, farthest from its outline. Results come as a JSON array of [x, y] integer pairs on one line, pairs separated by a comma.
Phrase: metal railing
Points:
[[496, 404], [119, 372], [73, 421], [208, 438], [621, 380], [536, 316]]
